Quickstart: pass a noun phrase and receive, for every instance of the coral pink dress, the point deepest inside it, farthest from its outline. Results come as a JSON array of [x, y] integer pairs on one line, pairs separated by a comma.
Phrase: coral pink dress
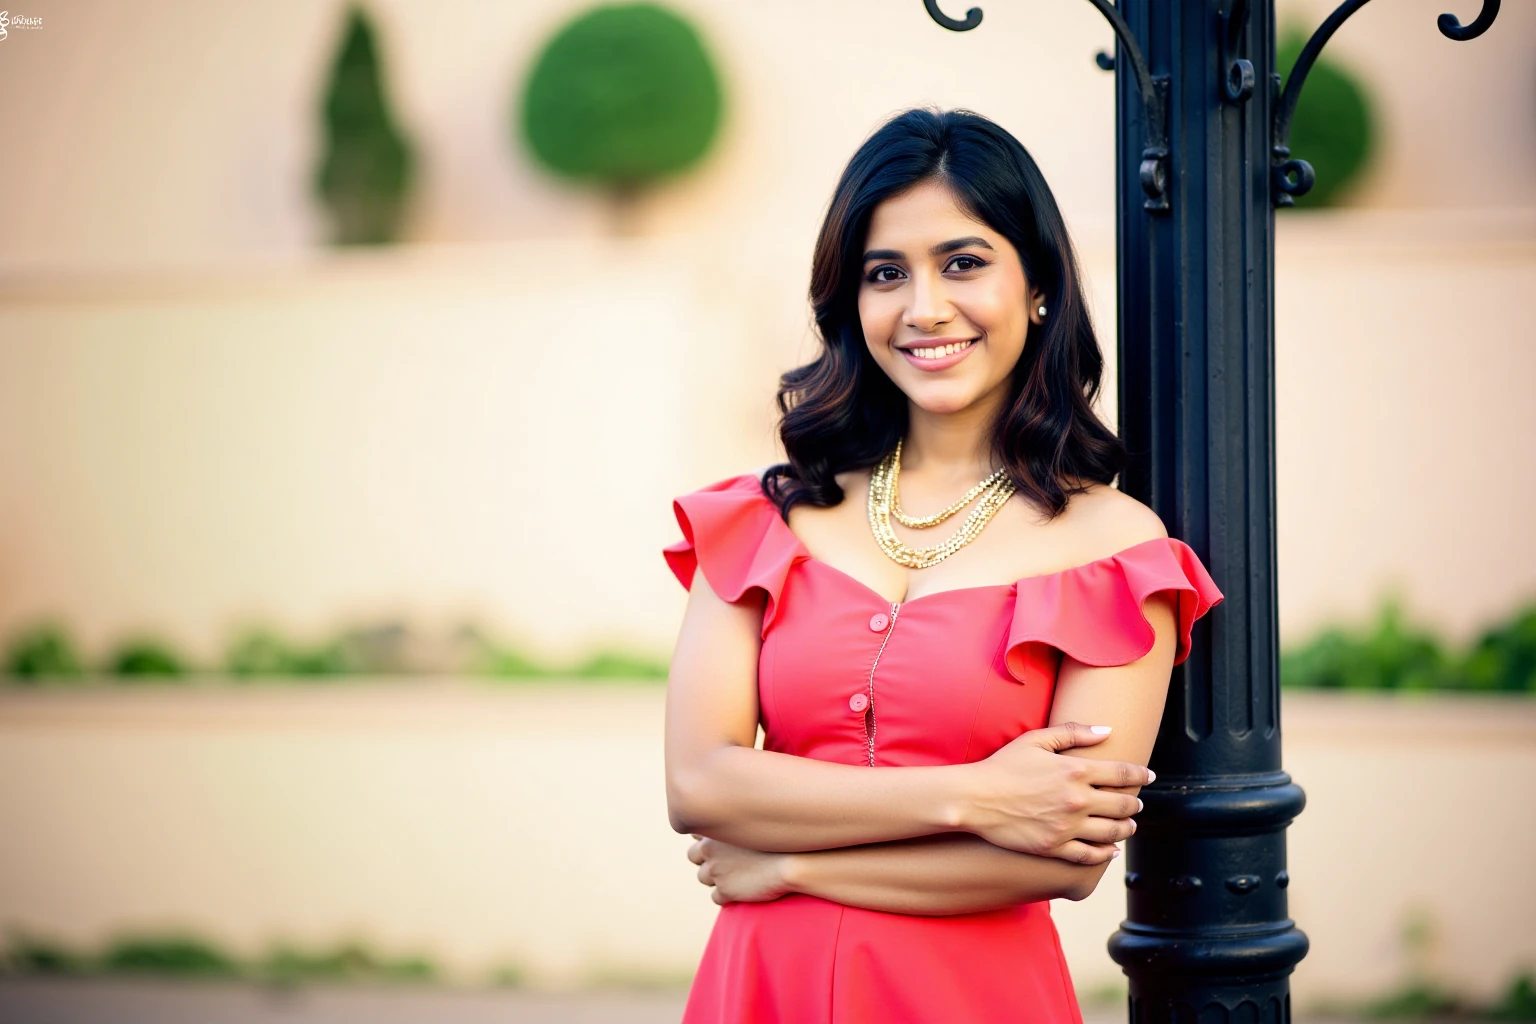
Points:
[[946, 678]]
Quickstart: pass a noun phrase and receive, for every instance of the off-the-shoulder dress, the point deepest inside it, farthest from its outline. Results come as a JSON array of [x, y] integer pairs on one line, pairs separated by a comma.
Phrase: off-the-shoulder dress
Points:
[[947, 678]]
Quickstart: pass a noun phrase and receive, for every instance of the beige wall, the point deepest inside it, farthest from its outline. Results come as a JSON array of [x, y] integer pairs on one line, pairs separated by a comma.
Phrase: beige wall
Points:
[[176, 130], [472, 433], [1404, 408], [528, 825], [204, 421]]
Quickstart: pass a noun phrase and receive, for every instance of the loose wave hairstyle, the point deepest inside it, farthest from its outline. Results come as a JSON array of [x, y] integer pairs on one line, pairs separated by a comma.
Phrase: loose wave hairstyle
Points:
[[841, 412]]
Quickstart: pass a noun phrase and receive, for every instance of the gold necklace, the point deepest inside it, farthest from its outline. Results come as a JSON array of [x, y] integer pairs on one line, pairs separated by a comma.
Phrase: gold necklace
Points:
[[882, 486], [923, 522]]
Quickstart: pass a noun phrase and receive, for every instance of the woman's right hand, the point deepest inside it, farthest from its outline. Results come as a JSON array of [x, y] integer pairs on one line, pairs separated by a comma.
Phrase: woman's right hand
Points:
[[1030, 797]]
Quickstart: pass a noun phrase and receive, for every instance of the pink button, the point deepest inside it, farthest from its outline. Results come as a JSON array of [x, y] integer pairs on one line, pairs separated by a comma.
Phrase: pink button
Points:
[[878, 622], [858, 702]]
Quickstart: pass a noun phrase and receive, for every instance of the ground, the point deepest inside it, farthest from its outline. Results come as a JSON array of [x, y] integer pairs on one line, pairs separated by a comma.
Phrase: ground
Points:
[[49, 1001]]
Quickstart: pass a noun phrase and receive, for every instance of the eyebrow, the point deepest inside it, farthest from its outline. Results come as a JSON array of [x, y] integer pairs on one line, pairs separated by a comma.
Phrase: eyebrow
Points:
[[968, 242]]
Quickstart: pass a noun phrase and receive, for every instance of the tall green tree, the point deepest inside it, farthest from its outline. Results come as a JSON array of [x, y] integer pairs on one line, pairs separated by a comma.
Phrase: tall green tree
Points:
[[620, 98], [367, 168]]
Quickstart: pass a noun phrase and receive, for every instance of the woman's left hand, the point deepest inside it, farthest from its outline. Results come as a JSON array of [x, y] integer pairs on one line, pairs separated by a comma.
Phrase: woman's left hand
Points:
[[739, 875]]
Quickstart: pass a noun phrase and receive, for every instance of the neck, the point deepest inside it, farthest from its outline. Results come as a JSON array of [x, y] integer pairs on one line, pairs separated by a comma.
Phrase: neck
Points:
[[952, 446]]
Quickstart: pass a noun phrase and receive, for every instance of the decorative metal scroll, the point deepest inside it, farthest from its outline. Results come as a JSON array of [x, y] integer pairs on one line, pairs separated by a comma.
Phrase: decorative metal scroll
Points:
[[1238, 77], [1153, 89], [971, 20], [1291, 177]]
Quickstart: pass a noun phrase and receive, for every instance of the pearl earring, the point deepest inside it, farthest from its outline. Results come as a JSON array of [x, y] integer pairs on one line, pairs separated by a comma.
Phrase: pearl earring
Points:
[[1042, 311]]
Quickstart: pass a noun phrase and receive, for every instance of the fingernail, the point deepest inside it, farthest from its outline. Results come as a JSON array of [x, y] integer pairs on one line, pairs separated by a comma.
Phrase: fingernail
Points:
[[1114, 853], [1100, 730], [1151, 775], [1140, 806]]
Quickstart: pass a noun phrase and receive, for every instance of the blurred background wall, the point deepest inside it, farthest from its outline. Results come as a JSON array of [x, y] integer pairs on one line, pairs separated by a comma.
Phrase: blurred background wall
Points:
[[209, 417]]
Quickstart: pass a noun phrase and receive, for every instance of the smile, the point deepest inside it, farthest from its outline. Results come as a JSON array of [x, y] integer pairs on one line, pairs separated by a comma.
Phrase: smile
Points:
[[939, 357]]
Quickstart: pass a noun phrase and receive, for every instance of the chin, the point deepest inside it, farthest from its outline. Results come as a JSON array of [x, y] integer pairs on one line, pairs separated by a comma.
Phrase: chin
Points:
[[940, 400]]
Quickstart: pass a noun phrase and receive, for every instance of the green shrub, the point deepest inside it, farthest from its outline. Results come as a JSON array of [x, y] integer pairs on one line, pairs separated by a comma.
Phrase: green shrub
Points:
[[620, 665], [506, 663], [367, 165], [507, 976], [187, 956], [503, 662], [1519, 1002], [1392, 655], [27, 955], [379, 649], [1333, 128], [622, 96], [261, 652], [1412, 1003], [1504, 658], [145, 656], [44, 651], [177, 956], [350, 962]]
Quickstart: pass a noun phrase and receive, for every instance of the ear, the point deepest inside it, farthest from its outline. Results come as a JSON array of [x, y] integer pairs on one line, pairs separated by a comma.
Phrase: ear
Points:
[[1035, 301]]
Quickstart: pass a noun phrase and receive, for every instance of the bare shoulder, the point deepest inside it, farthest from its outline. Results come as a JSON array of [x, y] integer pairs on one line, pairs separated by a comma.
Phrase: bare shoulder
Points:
[[1105, 520]]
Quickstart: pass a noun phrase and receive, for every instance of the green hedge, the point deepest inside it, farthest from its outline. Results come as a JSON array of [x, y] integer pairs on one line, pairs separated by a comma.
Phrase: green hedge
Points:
[[46, 654], [186, 956], [1393, 654], [1388, 654]]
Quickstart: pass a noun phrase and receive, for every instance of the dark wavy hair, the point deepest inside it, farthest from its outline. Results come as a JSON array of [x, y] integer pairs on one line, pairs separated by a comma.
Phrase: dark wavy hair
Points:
[[841, 412]]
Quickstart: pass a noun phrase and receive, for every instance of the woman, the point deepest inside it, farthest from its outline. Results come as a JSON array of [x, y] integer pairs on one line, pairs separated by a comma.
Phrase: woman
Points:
[[955, 384]]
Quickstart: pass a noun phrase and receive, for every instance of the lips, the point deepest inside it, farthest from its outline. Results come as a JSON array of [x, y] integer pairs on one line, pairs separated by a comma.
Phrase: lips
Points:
[[939, 356]]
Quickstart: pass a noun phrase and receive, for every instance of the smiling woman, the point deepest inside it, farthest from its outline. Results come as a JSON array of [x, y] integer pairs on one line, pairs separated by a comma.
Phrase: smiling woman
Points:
[[905, 299], [958, 247], [956, 348]]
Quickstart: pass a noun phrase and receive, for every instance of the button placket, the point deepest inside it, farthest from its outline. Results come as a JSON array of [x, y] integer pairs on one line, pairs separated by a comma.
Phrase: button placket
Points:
[[878, 622]]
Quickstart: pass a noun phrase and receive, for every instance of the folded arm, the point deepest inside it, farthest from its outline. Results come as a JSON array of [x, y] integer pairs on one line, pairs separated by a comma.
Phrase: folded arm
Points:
[[720, 784], [960, 873], [1025, 797], [957, 873]]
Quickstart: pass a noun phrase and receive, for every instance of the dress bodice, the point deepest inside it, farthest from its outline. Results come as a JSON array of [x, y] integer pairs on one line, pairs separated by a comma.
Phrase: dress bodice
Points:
[[949, 677]]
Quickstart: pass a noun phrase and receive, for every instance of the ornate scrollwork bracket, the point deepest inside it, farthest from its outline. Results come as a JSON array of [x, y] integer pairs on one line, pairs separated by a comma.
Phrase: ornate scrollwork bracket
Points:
[[1290, 177], [971, 20], [1238, 79], [1153, 89]]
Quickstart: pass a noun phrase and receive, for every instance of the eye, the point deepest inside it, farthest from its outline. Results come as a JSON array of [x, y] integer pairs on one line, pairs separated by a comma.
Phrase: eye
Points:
[[964, 264], [884, 274]]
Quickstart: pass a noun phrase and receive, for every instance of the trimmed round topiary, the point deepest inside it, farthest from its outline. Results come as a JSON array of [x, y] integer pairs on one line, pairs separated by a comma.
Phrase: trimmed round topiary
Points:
[[1333, 128], [622, 96]]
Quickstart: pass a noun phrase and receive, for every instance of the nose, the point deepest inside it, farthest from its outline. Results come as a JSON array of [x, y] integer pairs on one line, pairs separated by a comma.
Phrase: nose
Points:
[[930, 306]]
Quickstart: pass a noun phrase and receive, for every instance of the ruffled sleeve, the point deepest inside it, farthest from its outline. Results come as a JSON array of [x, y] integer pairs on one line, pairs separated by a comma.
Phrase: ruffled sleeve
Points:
[[1093, 613], [734, 534]]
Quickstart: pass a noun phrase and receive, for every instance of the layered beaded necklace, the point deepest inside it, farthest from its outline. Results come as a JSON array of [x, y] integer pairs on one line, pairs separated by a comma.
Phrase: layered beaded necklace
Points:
[[885, 501]]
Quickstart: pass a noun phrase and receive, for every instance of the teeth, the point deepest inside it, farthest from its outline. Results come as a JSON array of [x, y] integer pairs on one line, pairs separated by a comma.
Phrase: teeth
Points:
[[942, 350]]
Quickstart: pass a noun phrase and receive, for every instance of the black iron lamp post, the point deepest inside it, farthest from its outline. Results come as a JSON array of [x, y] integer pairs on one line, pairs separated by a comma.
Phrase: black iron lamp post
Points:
[[1201, 136]]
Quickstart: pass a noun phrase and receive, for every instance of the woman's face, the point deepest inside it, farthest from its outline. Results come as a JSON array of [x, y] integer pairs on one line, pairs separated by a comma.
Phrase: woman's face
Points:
[[943, 300]]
